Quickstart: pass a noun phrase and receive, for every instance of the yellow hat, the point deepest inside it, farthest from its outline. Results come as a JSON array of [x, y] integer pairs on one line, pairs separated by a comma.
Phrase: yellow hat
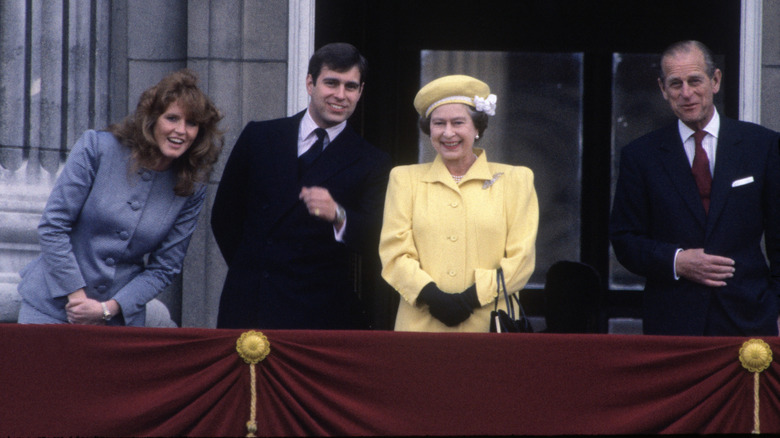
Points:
[[455, 89]]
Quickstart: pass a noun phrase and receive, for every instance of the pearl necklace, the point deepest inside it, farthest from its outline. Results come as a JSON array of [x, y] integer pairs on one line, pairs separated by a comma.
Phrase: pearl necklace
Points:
[[457, 178]]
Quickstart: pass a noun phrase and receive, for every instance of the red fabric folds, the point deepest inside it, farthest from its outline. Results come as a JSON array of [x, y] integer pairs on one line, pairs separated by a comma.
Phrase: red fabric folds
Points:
[[68, 380]]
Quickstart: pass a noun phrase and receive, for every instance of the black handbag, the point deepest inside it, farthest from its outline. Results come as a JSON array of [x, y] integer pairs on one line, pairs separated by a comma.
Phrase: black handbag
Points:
[[504, 321]]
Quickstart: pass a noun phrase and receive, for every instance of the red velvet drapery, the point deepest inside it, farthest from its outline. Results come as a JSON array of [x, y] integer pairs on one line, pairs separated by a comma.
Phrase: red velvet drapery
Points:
[[69, 380]]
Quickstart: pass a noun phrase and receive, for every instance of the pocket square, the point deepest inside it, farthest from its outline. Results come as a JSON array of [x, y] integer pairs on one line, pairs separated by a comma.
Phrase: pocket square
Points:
[[742, 181]]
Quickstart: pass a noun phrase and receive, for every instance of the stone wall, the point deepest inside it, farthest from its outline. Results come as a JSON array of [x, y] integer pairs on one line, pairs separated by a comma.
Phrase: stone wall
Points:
[[770, 72], [239, 48], [54, 80]]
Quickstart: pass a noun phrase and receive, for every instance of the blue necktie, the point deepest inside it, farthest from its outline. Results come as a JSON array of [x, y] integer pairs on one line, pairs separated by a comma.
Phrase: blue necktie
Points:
[[307, 158]]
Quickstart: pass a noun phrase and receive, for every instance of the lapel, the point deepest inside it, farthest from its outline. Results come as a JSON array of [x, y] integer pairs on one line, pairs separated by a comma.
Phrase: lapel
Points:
[[282, 166], [678, 169], [339, 154], [728, 162]]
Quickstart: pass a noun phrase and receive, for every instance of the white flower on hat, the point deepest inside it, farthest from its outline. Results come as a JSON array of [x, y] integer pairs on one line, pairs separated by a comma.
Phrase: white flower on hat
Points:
[[488, 105]]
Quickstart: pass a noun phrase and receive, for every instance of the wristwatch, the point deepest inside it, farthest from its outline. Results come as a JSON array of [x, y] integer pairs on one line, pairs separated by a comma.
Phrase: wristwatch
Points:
[[106, 313], [341, 216]]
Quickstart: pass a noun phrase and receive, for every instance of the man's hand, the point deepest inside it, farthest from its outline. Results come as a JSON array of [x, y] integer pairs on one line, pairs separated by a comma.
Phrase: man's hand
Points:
[[709, 270], [319, 203]]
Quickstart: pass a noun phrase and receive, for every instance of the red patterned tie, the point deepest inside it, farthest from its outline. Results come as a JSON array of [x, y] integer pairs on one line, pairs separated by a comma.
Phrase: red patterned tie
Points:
[[701, 170]]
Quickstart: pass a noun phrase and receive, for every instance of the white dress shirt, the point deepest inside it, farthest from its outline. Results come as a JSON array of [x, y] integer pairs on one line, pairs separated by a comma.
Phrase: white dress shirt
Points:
[[307, 137], [710, 145]]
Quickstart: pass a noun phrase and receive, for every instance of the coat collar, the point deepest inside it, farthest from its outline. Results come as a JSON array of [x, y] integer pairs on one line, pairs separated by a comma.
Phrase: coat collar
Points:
[[727, 164], [438, 172], [340, 153], [678, 170]]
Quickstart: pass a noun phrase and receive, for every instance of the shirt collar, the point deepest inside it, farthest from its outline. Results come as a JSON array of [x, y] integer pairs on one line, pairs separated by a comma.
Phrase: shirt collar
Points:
[[712, 128], [308, 126]]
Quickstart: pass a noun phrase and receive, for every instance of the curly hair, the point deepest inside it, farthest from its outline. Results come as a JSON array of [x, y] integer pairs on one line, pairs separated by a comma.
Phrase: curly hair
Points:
[[136, 131]]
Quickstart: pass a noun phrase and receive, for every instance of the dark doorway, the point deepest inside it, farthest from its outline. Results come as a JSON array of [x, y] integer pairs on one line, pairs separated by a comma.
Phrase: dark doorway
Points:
[[392, 34]]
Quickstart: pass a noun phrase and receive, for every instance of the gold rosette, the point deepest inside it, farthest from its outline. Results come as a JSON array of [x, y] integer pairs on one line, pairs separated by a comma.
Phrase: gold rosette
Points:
[[755, 356], [253, 347]]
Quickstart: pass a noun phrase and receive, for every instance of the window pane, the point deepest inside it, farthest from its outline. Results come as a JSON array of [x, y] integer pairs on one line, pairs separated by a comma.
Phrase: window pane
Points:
[[538, 124]]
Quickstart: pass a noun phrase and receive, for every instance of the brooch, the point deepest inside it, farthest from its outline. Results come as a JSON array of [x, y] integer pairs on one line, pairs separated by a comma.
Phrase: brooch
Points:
[[487, 184]]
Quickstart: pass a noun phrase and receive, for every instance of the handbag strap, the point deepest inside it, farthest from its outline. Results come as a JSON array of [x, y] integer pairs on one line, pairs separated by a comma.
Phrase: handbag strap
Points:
[[510, 308], [501, 289]]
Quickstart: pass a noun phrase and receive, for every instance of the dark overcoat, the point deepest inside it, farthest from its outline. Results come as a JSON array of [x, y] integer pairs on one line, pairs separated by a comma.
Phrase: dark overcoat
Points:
[[657, 209], [285, 268]]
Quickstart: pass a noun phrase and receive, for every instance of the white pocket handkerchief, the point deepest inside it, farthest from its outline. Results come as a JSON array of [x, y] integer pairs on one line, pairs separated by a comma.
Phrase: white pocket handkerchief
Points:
[[742, 181]]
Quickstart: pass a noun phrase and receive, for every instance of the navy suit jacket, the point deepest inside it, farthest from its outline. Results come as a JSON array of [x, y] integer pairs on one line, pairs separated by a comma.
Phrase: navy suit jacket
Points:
[[285, 268], [657, 210]]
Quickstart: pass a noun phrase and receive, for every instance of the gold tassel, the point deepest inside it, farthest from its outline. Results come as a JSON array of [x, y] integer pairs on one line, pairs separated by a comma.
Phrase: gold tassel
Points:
[[755, 356], [253, 347]]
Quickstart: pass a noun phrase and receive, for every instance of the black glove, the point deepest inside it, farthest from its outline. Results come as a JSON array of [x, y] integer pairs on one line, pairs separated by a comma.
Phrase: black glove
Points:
[[451, 309]]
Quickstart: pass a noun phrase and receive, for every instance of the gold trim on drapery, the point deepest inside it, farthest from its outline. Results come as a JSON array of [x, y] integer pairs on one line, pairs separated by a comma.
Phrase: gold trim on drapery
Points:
[[755, 356], [253, 347]]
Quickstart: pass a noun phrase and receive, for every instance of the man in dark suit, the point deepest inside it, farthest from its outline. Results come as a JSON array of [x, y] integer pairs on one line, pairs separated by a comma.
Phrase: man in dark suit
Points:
[[692, 203], [298, 197]]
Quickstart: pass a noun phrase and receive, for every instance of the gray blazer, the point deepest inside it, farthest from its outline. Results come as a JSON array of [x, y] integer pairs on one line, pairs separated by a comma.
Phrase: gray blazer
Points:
[[116, 234]]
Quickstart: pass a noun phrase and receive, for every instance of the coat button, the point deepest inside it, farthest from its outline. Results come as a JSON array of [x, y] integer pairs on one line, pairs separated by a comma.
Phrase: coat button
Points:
[[110, 262], [134, 205], [454, 204], [146, 176], [102, 288], [453, 238], [452, 273], [124, 235]]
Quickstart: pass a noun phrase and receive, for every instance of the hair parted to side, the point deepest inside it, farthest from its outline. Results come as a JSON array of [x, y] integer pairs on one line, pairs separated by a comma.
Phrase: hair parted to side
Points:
[[686, 47], [136, 131], [479, 118], [339, 57]]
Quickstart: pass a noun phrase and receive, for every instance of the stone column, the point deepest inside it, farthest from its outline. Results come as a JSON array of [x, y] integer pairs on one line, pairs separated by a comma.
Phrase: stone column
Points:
[[53, 86], [770, 71]]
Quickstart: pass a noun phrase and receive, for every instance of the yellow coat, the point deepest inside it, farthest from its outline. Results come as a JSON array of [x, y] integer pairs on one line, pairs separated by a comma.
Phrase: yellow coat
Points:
[[457, 235]]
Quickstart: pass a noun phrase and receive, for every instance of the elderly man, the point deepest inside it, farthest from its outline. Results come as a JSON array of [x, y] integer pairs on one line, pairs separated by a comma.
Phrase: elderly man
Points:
[[692, 203]]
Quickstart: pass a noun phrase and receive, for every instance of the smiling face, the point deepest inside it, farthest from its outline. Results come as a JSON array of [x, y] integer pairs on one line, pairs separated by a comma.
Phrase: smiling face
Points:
[[174, 134], [334, 96], [452, 135], [688, 89]]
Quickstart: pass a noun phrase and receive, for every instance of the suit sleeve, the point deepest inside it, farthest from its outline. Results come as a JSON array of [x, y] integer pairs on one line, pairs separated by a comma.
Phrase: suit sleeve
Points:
[[165, 262], [229, 211], [364, 218], [62, 211], [629, 227]]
